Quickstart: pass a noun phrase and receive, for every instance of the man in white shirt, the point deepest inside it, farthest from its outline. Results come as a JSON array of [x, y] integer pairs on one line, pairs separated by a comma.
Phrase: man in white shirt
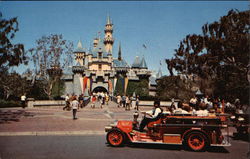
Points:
[[119, 100], [74, 105], [150, 115], [23, 100]]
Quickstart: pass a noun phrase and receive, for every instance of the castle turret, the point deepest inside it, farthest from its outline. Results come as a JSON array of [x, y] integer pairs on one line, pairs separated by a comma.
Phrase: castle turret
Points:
[[80, 53], [108, 39], [96, 40]]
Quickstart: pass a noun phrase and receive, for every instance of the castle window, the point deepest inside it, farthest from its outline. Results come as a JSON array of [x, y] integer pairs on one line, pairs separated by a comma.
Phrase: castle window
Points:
[[99, 66], [99, 55]]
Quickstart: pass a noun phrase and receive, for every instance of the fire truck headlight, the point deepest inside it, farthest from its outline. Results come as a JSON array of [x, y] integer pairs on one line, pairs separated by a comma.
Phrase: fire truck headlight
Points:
[[232, 117], [241, 119]]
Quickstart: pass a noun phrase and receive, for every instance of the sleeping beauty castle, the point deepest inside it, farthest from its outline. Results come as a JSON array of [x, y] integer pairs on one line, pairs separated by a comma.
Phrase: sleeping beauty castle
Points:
[[97, 70]]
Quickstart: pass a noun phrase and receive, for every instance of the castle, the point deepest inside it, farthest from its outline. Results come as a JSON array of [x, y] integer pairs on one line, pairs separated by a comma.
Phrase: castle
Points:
[[96, 70]]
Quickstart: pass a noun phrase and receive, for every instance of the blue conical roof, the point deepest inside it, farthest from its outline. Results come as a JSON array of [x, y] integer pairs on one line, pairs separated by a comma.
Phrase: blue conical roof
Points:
[[79, 47], [78, 63], [143, 63], [136, 63], [108, 20]]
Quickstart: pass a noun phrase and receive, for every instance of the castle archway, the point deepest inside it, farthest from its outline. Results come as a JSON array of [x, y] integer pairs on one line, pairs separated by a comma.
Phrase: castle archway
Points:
[[99, 89]]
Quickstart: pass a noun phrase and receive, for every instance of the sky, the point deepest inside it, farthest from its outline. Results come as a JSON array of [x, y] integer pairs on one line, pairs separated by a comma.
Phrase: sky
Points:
[[160, 25]]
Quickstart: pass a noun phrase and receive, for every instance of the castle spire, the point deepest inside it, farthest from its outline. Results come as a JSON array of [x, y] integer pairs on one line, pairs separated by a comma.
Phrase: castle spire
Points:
[[108, 20], [79, 44], [108, 39], [120, 52]]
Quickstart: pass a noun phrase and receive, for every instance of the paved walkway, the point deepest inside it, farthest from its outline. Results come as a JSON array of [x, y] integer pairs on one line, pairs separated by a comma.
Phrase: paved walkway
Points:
[[41, 121], [54, 121]]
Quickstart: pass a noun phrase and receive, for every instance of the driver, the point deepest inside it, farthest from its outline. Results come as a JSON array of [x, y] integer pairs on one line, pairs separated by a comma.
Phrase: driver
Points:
[[151, 115]]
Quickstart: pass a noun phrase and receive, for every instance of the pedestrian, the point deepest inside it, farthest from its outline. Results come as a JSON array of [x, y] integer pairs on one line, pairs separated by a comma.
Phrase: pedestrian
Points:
[[123, 101], [23, 101], [99, 96], [133, 102], [137, 102], [80, 99], [107, 99], [102, 101], [127, 103], [74, 105], [118, 100], [67, 103], [93, 99]]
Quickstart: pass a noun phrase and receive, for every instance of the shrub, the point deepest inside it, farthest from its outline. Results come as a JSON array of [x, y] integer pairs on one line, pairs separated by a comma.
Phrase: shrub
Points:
[[8, 104]]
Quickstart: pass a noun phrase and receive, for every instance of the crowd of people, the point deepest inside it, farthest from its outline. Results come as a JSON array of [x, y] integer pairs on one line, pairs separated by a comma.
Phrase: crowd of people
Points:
[[101, 98], [74, 102], [128, 102], [201, 106]]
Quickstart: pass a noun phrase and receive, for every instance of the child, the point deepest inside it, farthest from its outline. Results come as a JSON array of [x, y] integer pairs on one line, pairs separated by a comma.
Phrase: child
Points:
[[93, 99]]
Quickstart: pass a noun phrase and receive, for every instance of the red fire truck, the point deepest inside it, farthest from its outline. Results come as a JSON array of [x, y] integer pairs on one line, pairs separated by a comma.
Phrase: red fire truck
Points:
[[194, 132]]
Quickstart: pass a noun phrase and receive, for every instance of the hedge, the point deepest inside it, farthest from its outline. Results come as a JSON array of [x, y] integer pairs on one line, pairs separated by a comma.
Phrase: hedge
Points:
[[8, 104]]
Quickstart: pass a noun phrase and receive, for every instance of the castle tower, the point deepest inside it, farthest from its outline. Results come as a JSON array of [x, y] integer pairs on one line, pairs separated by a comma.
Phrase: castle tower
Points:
[[80, 54], [96, 40], [108, 39]]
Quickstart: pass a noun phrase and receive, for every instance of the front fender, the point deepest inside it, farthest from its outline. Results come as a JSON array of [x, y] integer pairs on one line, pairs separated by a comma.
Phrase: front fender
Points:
[[125, 126]]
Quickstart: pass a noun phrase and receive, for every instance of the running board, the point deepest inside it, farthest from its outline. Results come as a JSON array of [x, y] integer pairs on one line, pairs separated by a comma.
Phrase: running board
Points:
[[225, 143], [161, 143]]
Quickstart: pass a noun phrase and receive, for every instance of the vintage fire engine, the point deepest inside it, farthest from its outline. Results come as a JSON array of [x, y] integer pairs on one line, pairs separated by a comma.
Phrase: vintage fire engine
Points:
[[194, 132]]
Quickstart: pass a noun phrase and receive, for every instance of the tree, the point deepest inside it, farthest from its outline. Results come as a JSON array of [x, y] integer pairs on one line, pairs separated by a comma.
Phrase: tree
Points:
[[12, 84], [220, 55], [50, 56], [139, 87], [169, 87], [10, 54]]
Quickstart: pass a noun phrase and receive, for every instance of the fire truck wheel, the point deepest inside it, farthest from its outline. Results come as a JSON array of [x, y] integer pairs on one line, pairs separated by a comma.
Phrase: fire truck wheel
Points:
[[115, 138], [196, 141]]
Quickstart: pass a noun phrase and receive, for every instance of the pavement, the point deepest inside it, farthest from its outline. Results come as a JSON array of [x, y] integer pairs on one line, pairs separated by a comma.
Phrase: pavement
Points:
[[53, 120], [95, 147], [42, 121]]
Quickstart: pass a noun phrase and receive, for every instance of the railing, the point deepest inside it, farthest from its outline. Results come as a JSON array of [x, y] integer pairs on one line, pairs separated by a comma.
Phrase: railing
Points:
[[39, 103], [150, 103], [36, 103]]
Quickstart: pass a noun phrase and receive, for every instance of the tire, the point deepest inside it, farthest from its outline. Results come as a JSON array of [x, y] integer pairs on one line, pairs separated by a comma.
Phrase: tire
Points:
[[196, 141], [115, 138]]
